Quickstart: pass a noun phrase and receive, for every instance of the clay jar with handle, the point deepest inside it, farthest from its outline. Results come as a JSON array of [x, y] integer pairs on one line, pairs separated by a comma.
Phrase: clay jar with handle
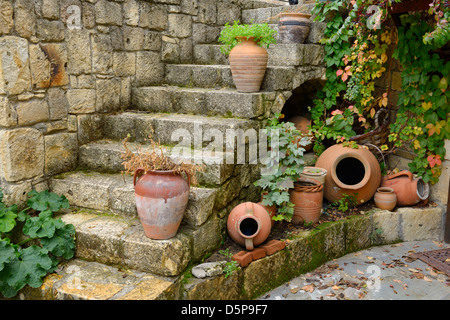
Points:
[[249, 224], [355, 172], [161, 200], [294, 27], [248, 63], [385, 198], [409, 190]]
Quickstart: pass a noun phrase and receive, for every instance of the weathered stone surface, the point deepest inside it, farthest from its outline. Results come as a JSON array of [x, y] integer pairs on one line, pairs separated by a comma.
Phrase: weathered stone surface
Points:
[[108, 12], [124, 64], [228, 11], [102, 53], [151, 69], [153, 16], [6, 17], [152, 40], [22, 154], [358, 232], [48, 65], [108, 95], [387, 226], [207, 12], [180, 25], [25, 18], [133, 38], [15, 75], [208, 269], [32, 111], [150, 288], [81, 100], [131, 12], [8, 114], [420, 224], [78, 51], [50, 9], [50, 30], [89, 127], [61, 152], [204, 33], [58, 105]]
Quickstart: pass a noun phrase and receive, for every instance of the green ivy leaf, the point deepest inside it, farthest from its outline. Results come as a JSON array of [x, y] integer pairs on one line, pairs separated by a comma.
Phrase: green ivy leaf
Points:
[[46, 200], [7, 253], [62, 244]]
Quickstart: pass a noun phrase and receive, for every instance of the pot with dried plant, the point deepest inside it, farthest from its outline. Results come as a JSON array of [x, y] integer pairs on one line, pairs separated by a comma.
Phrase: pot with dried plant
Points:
[[160, 190]]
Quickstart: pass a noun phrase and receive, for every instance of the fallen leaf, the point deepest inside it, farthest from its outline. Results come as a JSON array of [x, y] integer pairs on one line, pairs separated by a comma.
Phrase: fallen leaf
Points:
[[370, 258], [432, 273], [308, 288], [361, 295], [404, 286], [398, 281], [413, 270], [335, 287], [427, 279], [359, 271], [294, 290]]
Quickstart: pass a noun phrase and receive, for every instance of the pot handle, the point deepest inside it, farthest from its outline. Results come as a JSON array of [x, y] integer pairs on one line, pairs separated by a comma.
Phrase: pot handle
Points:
[[401, 173], [136, 174], [249, 244]]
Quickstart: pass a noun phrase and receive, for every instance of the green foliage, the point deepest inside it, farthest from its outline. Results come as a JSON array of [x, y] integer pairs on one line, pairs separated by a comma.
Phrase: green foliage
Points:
[[346, 202], [21, 265], [230, 266], [284, 167], [424, 103], [260, 31]]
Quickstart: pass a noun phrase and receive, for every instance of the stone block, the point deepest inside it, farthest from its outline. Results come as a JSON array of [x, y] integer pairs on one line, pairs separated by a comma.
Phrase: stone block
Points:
[[207, 12], [421, 223], [108, 95], [155, 99], [81, 100], [208, 269], [203, 33], [152, 40], [133, 38], [189, 101], [131, 12], [108, 12], [317, 32], [89, 128], [386, 227], [25, 18], [78, 51], [15, 77], [180, 25], [50, 30], [32, 111], [102, 53], [227, 12], [61, 152], [153, 16], [8, 114], [189, 7], [48, 65], [151, 69], [124, 64], [6, 17], [22, 154], [50, 9], [57, 102], [200, 206]]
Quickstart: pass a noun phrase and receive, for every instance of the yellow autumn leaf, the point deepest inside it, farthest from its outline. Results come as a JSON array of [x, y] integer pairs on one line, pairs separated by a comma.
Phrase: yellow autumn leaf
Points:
[[427, 105], [384, 57], [416, 144], [372, 112]]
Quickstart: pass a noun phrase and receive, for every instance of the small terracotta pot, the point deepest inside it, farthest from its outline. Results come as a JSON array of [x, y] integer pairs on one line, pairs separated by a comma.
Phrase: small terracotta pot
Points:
[[307, 197], [316, 173], [408, 189], [249, 224], [294, 27], [248, 63], [385, 198], [161, 200]]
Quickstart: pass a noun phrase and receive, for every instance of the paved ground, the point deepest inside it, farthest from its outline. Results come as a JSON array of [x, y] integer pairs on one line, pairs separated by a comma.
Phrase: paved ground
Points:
[[379, 273]]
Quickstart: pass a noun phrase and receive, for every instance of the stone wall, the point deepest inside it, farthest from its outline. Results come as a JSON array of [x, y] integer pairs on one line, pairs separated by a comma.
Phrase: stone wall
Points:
[[64, 64]]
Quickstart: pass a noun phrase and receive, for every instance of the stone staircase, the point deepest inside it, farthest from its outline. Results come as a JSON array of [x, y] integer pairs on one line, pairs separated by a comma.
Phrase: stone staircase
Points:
[[198, 95]]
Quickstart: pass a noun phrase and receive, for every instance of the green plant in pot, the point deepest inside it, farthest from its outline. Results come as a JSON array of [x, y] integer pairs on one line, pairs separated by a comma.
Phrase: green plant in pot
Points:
[[246, 46], [284, 166]]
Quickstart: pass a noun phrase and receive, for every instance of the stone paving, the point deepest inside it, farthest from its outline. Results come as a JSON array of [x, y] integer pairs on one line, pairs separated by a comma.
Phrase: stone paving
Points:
[[378, 273]]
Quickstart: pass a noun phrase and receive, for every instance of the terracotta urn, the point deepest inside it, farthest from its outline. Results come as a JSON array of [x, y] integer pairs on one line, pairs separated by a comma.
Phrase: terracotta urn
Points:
[[409, 190], [307, 197], [294, 27], [161, 200], [301, 124], [355, 172], [248, 63], [249, 224], [316, 173], [385, 198]]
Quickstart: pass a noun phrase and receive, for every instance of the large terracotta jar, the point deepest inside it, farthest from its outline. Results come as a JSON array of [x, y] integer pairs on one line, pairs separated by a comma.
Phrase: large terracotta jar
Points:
[[294, 27], [249, 224], [248, 63], [307, 197], [409, 190], [161, 200], [355, 172]]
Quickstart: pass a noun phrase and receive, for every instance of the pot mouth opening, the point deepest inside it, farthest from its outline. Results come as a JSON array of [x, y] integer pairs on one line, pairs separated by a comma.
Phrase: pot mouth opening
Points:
[[385, 190], [423, 189], [351, 171], [248, 227]]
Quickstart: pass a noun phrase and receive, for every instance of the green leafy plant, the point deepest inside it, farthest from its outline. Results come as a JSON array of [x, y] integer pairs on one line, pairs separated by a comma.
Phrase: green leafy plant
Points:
[[51, 238], [230, 266], [286, 165], [346, 202], [262, 32]]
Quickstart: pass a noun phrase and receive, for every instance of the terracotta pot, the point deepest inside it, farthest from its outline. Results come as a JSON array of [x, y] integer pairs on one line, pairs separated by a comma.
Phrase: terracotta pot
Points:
[[294, 27], [271, 210], [248, 63], [249, 224], [408, 189], [355, 172], [302, 123], [161, 199], [385, 198], [315, 173], [307, 197]]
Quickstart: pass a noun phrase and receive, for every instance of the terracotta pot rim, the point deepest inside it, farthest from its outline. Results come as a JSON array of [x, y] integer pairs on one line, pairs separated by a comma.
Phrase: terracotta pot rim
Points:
[[249, 216], [322, 172], [298, 14], [385, 190], [365, 179]]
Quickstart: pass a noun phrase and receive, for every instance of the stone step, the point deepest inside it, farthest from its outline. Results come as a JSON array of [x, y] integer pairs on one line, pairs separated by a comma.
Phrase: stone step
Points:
[[115, 193], [202, 101], [105, 156], [168, 128], [276, 78], [84, 280], [294, 54]]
